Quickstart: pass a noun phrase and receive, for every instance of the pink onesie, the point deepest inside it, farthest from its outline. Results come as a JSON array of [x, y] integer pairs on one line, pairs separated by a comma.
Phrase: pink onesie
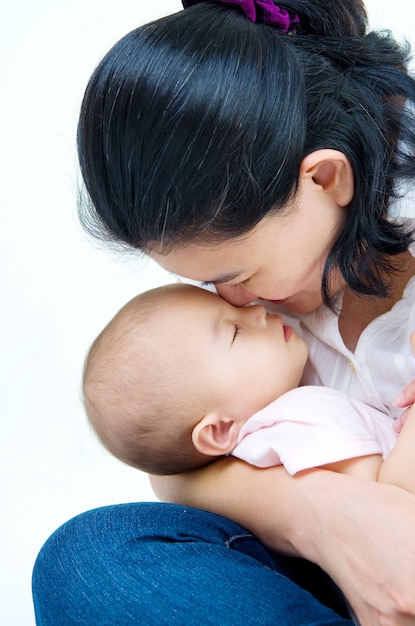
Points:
[[311, 426]]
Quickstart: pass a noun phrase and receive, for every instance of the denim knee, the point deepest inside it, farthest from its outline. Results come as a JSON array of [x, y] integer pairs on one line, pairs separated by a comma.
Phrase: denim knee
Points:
[[154, 563]]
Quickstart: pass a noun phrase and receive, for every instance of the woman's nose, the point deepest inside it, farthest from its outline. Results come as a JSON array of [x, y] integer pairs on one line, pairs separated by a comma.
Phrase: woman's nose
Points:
[[235, 294]]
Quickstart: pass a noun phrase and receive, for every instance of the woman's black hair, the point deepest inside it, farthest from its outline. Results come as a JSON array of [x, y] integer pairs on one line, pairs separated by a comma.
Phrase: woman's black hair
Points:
[[193, 128]]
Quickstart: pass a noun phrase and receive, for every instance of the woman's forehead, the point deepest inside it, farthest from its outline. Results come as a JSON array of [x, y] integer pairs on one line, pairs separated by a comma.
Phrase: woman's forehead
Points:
[[219, 262]]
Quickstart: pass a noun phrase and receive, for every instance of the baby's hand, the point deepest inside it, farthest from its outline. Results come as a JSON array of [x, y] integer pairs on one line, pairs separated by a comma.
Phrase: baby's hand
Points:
[[400, 421], [406, 397]]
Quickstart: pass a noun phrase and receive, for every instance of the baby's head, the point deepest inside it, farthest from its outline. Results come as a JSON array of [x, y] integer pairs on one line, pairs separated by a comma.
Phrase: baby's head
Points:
[[172, 378]]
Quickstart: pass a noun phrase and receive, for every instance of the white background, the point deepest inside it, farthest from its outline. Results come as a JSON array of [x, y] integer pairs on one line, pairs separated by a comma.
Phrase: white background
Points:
[[58, 289]]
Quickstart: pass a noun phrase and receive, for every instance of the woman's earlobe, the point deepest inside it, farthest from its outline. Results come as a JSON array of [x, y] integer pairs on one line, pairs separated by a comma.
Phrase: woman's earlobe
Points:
[[332, 172]]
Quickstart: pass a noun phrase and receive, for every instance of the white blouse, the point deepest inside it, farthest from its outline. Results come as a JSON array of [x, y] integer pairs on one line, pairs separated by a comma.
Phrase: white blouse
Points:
[[382, 363]]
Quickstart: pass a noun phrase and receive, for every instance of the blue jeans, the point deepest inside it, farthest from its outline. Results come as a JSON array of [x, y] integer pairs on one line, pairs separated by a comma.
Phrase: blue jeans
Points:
[[155, 564]]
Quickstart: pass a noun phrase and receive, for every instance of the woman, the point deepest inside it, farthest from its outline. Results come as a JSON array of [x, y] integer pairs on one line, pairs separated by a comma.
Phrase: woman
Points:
[[259, 148]]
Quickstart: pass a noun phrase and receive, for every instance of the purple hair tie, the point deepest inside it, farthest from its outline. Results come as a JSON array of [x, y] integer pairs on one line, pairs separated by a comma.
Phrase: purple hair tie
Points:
[[260, 11]]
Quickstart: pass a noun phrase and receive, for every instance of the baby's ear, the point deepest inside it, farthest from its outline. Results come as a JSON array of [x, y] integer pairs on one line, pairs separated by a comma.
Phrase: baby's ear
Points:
[[215, 434]]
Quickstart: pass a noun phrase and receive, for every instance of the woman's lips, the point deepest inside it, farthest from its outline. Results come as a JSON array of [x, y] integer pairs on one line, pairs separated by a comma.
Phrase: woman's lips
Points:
[[278, 301]]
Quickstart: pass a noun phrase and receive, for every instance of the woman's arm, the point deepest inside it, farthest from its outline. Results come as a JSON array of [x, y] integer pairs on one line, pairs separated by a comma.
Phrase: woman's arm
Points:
[[361, 533]]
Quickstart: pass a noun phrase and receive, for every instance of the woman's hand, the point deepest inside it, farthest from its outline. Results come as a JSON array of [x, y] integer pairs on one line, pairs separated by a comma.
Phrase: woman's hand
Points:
[[361, 533], [366, 550]]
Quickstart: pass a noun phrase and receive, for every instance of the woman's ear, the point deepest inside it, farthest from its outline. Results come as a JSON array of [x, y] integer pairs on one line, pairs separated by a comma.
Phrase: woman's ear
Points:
[[331, 171], [215, 434]]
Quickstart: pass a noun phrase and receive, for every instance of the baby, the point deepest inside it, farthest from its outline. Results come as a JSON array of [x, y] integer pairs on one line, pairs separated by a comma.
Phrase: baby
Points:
[[180, 377]]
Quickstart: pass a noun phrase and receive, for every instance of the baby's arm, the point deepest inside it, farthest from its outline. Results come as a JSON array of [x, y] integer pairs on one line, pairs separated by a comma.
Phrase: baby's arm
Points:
[[365, 467], [398, 468]]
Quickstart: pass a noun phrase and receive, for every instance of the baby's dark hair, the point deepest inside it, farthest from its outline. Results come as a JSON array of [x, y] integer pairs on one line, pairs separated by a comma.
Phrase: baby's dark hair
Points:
[[193, 128]]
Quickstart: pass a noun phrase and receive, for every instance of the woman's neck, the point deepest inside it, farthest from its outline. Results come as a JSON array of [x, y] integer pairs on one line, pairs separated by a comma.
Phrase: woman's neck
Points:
[[357, 312]]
